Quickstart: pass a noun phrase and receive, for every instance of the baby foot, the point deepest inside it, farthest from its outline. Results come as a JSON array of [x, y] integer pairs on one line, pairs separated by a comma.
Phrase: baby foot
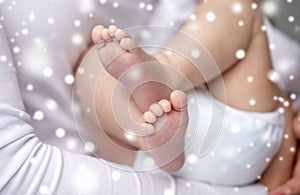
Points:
[[118, 53], [170, 119]]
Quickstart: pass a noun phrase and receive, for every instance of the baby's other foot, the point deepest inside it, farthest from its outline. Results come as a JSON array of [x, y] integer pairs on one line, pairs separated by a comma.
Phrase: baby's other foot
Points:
[[170, 119], [118, 52]]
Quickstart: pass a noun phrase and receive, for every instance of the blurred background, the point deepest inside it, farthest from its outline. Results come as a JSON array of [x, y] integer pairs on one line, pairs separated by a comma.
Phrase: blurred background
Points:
[[285, 14]]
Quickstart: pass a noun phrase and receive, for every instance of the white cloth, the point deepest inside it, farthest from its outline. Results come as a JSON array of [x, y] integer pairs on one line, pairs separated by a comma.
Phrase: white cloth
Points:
[[41, 41], [46, 39], [285, 53], [240, 153]]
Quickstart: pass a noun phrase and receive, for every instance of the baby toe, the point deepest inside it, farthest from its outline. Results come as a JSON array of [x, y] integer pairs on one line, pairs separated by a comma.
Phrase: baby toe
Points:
[[97, 33], [149, 117], [156, 109], [165, 104], [127, 43], [111, 30], [147, 129], [105, 34], [120, 34], [178, 100]]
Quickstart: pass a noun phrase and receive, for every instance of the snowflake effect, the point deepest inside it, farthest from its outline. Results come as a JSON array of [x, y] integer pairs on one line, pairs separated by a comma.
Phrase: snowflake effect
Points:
[[240, 54], [86, 179], [210, 17], [60, 133]]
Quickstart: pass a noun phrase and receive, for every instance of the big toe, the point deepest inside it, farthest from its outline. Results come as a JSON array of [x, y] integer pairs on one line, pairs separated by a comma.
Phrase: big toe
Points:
[[178, 100], [128, 43]]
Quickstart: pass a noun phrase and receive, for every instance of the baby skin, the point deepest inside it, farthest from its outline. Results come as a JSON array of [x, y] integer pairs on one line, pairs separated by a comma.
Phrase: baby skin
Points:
[[119, 55], [168, 118]]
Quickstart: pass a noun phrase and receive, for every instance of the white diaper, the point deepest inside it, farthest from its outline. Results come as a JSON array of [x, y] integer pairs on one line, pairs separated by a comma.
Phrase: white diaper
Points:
[[241, 151]]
